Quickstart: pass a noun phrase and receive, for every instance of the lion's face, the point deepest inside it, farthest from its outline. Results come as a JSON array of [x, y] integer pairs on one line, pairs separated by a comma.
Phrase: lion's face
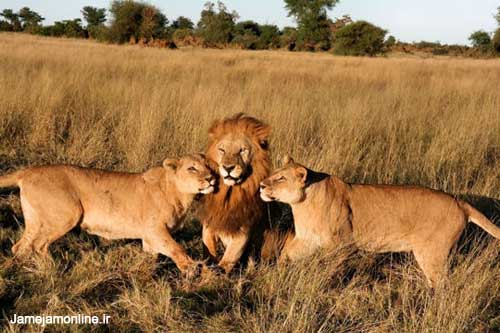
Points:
[[233, 156], [193, 175], [286, 184]]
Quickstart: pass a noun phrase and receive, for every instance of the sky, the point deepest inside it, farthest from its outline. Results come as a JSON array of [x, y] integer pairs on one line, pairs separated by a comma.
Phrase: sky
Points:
[[446, 21]]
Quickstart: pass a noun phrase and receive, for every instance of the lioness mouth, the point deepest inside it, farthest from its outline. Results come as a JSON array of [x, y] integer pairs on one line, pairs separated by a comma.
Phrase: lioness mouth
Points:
[[206, 190]]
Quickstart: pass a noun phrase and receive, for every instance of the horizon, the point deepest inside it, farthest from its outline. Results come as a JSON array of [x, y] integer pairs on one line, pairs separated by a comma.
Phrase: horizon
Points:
[[408, 22]]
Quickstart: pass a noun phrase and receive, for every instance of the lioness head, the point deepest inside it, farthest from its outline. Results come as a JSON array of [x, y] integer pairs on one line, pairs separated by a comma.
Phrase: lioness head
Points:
[[287, 184], [234, 144], [192, 174]]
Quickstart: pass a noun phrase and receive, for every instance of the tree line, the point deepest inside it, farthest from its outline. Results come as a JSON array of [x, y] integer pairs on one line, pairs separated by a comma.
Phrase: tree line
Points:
[[130, 21]]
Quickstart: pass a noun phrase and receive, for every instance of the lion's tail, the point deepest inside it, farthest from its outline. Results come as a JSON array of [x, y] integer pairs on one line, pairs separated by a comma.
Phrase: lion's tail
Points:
[[10, 180], [476, 217]]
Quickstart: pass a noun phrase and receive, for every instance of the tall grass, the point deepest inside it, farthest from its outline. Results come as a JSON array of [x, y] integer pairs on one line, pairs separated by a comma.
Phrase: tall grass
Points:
[[432, 122]]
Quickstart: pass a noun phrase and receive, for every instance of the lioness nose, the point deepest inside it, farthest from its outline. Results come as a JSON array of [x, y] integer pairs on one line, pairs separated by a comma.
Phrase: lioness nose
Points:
[[229, 168]]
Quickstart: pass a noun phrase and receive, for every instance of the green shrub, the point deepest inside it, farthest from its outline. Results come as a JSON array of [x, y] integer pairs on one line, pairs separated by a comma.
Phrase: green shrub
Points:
[[247, 41], [359, 39], [181, 34], [288, 38], [390, 42], [269, 36]]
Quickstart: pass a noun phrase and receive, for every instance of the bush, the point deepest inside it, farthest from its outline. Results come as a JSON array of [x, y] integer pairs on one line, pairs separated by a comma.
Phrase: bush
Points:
[[101, 33], [181, 34], [269, 36], [5, 26], [359, 39], [288, 38], [248, 41], [443, 50]]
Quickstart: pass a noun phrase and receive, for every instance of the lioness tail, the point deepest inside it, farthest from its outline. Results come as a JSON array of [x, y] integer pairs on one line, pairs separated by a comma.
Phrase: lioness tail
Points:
[[479, 219], [10, 180]]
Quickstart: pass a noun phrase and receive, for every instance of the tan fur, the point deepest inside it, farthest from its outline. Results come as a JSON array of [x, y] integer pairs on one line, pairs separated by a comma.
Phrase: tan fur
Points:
[[381, 218], [234, 213], [113, 205]]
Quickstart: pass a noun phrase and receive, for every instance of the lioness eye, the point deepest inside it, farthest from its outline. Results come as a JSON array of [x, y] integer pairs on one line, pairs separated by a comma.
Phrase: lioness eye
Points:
[[281, 179], [192, 169], [243, 151], [222, 151]]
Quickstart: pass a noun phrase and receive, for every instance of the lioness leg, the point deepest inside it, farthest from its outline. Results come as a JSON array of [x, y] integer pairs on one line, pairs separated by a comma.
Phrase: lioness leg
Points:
[[209, 243], [235, 246], [296, 249], [32, 226], [47, 220], [434, 265], [160, 241]]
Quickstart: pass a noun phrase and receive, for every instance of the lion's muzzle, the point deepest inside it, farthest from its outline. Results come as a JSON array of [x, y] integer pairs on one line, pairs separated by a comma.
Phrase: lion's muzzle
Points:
[[231, 174]]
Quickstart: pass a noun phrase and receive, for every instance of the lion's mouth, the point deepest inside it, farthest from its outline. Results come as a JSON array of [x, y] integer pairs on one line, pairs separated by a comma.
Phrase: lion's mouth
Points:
[[230, 181]]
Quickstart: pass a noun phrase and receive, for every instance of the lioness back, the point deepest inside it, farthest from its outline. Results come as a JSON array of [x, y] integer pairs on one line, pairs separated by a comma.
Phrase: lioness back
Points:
[[392, 218]]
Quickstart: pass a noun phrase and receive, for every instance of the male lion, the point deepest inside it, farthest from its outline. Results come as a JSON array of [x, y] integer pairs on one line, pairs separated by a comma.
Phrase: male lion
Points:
[[379, 218], [234, 213], [113, 205]]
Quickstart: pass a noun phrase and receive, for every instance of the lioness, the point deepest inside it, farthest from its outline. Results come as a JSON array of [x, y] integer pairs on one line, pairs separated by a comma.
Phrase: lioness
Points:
[[113, 205], [380, 218]]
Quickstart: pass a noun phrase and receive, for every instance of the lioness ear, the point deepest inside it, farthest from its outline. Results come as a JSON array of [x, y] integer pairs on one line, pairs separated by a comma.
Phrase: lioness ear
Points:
[[286, 160], [301, 173], [171, 163]]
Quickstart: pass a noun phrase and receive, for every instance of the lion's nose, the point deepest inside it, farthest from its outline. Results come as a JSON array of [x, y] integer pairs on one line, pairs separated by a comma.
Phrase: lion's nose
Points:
[[229, 168]]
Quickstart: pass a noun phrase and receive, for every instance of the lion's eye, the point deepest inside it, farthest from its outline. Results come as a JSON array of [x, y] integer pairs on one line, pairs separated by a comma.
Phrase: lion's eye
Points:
[[281, 179], [222, 151], [192, 169], [243, 151]]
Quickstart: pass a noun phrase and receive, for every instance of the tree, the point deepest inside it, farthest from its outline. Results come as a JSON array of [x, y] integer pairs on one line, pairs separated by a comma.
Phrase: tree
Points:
[[12, 19], [391, 40], [312, 20], [216, 27], [497, 16], [480, 39], [496, 41], [136, 19], [94, 16], [182, 23], [359, 38], [30, 19], [153, 23]]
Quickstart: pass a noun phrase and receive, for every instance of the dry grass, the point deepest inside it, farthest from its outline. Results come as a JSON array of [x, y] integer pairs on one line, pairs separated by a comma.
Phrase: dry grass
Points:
[[433, 122]]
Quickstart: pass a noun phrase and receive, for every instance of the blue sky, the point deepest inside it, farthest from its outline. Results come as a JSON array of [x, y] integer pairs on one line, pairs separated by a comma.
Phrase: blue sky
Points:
[[447, 21]]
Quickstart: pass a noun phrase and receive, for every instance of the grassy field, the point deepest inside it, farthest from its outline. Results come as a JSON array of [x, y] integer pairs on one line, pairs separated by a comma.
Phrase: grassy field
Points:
[[432, 122]]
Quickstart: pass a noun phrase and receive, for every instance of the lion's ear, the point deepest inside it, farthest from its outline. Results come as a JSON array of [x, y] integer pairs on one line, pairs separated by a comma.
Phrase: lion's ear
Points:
[[171, 163], [301, 173], [287, 159], [212, 131]]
